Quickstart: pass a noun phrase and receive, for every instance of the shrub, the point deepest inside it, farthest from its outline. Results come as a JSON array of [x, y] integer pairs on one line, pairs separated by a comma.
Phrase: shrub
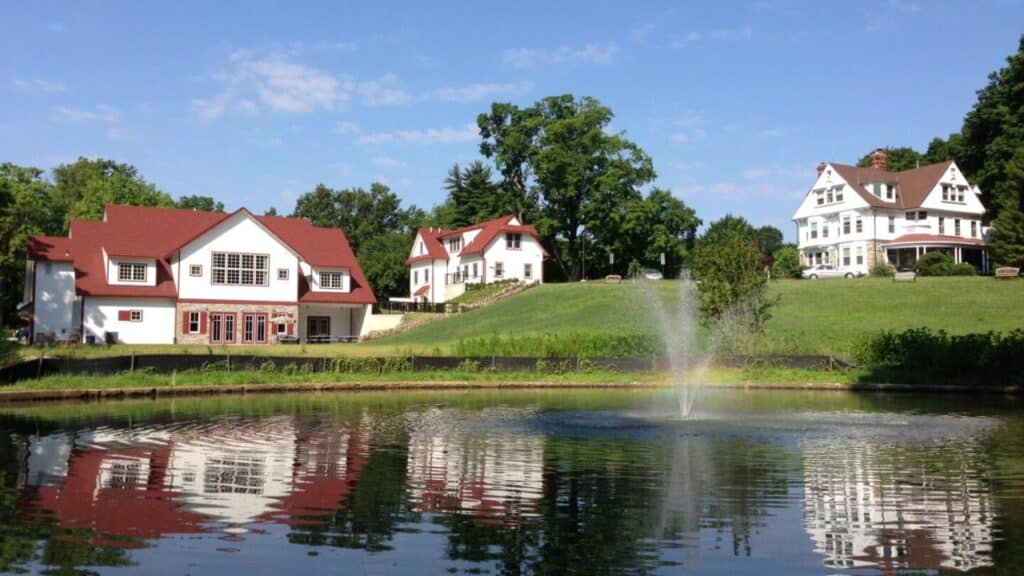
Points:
[[882, 270], [268, 367], [787, 263], [731, 278], [934, 264], [963, 269], [552, 345]]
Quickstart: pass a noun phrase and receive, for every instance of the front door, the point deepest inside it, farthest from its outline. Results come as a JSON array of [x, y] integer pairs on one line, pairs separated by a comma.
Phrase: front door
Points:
[[318, 327], [254, 328]]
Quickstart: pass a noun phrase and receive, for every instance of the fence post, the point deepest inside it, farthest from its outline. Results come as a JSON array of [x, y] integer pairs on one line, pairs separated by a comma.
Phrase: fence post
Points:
[[132, 369]]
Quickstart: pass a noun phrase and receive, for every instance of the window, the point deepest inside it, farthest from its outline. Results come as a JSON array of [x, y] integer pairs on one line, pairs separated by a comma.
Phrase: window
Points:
[[820, 196], [254, 328], [890, 190], [942, 225], [415, 277], [956, 227], [222, 327], [195, 270], [455, 244], [332, 280], [282, 328], [846, 256], [527, 271], [131, 272], [960, 193], [824, 230], [860, 255], [282, 273], [974, 229], [922, 216], [839, 193], [499, 269], [422, 248], [829, 198], [846, 224], [814, 229], [193, 322], [426, 275], [860, 225], [892, 224], [235, 269], [474, 270], [318, 327], [512, 241], [135, 316], [911, 216], [876, 189]]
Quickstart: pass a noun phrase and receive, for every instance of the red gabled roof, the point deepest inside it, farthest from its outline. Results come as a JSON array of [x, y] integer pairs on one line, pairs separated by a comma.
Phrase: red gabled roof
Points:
[[155, 233], [422, 290], [432, 242], [913, 185], [490, 231]]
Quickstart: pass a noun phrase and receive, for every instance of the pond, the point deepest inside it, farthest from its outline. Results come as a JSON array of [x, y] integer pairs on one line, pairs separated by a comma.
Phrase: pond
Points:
[[588, 482]]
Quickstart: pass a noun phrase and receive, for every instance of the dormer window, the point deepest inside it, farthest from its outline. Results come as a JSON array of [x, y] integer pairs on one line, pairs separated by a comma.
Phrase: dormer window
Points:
[[839, 193], [820, 196], [332, 280], [454, 244], [512, 241], [890, 191], [131, 272], [876, 189]]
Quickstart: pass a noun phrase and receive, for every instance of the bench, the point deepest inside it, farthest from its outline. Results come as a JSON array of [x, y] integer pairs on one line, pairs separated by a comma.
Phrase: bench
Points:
[[1007, 272], [613, 279], [908, 276], [329, 339]]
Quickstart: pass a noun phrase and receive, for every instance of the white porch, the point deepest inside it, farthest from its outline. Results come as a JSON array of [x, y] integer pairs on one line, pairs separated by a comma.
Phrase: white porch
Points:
[[319, 323]]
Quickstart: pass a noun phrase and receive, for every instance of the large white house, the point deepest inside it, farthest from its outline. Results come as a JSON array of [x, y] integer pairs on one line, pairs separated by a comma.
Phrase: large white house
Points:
[[442, 262], [162, 275], [857, 217]]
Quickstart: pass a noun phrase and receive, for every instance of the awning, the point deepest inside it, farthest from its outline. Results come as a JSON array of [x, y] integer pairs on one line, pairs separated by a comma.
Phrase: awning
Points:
[[422, 291]]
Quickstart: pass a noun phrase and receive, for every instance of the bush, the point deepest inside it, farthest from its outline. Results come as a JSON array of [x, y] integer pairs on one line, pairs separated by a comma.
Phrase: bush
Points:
[[731, 277], [963, 269], [882, 270], [787, 263], [934, 264], [554, 345]]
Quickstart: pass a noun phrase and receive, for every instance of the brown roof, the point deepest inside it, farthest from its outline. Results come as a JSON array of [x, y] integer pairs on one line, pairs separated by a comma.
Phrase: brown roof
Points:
[[912, 186]]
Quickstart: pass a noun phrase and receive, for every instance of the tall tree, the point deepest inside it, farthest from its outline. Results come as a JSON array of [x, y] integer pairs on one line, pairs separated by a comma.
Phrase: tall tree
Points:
[[768, 240], [26, 208], [508, 136], [83, 188], [655, 225], [1008, 228], [994, 129], [899, 159], [202, 203], [726, 226]]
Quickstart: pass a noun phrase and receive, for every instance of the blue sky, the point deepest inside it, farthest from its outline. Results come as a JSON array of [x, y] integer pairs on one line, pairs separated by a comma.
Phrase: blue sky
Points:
[[255, 103]]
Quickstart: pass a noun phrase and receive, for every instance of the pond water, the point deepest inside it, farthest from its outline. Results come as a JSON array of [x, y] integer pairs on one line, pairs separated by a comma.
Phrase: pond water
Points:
[[589, 482]]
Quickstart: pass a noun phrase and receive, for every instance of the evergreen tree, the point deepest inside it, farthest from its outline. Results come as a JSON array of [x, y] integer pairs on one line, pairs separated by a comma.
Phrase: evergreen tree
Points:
[[1008, 228]]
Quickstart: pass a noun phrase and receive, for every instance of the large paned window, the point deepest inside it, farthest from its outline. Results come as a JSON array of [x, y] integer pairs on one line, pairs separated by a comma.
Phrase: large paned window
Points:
[[512, 241], [455, 244], [335, 280], [892, 224], [254, 328], [235, 269], [846, 256], [131, 272], [860, 255]]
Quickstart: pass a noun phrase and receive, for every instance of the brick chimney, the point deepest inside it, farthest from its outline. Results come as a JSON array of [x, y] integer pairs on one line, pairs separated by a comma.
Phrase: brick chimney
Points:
[[880, 160], [821, 168]]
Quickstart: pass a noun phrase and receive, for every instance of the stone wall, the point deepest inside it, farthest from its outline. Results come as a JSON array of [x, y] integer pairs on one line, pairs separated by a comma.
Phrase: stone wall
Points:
[[181, 335]]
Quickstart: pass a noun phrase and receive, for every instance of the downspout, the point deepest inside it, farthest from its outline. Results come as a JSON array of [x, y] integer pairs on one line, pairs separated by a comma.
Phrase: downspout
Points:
[[81, 319], [35, 300]]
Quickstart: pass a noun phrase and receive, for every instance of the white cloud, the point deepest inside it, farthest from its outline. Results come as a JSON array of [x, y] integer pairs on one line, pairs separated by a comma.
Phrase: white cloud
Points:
[[55, 27], [38, 85], [689, 127], [754, 173], [642, 31], [477, 92], [115, 133], [594, 53], [385, 91], [77, 115], [386, 162], [770, 133], [689, 166], [716, 34], [446, 135], [346, 127], [272, 82]]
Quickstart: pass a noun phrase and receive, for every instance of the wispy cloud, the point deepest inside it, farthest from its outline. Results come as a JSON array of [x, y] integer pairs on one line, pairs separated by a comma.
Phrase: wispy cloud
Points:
[[384, 91], [689, 127], [273, 82], [78, 115], [446, 135], [594, 53], [386, 162], [38, 85], [346, 127], [770, 133], [55, 27], [477, 92], [717, 34]]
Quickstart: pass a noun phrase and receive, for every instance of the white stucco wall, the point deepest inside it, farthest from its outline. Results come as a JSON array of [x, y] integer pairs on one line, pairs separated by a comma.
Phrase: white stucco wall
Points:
[[341, 316], [314, 280], [237, 234], [112, 275], [57, 308], [157, 326]]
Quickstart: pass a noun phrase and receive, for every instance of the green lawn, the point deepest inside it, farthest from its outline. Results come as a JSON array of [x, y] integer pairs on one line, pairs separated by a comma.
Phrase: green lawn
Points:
[[811, 317]]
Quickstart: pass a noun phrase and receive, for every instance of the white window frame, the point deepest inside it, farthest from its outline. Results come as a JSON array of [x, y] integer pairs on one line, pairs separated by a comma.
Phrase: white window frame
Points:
[[283, 274], [528, 271], [499, 269], [135, 315], [332, 280], [232, 269], [195, 270], [188, 328], [131, 272], [513, 241]]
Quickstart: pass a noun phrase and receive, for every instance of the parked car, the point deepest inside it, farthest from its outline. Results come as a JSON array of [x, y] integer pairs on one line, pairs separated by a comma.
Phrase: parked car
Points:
[[652, 274], [829, 271]]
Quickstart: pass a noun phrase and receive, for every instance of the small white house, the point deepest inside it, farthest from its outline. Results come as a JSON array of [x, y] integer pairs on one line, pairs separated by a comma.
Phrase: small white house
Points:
[[160, 275], [442, 262], [858, 217]]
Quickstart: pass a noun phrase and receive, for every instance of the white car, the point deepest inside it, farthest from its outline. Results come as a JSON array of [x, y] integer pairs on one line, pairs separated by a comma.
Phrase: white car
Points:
[[652, 274], [828, 271]]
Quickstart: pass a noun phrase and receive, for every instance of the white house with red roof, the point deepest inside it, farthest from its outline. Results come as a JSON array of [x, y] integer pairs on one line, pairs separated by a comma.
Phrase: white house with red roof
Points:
[[161, 275], [442, 262], [858, 217]]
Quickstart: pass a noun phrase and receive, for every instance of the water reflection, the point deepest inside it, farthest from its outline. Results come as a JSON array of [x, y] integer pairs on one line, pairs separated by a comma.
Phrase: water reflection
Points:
[[511, 488]]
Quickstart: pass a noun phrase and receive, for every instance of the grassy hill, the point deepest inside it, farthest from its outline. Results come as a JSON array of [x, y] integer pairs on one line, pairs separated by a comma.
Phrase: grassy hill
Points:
[[814, 317]]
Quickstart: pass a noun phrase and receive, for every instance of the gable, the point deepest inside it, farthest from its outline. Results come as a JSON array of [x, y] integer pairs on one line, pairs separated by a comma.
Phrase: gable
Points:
[[240, 232], [955, 182], [830, 178]]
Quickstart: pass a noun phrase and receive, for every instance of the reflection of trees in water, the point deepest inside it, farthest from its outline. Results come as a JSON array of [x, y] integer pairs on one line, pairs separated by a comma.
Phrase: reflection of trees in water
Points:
[[898, 506]]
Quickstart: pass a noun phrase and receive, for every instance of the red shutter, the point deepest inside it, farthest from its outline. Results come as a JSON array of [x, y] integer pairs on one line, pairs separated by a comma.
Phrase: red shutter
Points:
[[124, 315], [202, 322], [291, 325], [184, 322]]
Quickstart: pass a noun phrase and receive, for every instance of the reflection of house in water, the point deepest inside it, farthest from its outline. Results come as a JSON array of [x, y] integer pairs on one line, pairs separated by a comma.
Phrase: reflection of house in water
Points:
[[489, 476], [871, 506], [126, 485]]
